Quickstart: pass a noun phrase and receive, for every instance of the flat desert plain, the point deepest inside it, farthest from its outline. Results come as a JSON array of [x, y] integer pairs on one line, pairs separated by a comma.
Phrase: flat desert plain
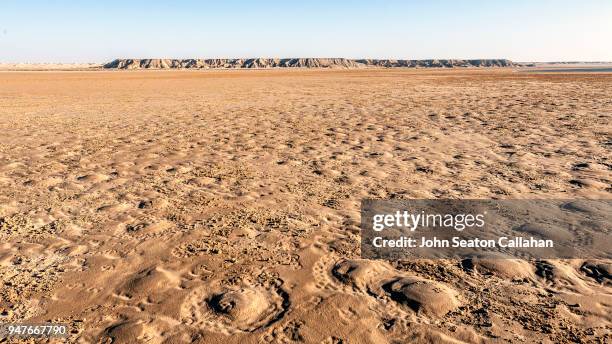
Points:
[[223, 206]]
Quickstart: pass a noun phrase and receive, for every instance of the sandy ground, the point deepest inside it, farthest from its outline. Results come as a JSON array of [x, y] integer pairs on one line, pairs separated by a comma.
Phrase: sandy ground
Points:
[[223, 206]]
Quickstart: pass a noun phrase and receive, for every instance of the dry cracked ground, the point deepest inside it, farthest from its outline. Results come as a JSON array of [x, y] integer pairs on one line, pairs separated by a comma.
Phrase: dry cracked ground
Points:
[[223, 206]]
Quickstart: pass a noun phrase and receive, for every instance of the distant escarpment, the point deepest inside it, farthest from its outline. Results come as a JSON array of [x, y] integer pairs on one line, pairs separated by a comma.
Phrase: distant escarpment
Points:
[[300, 63]]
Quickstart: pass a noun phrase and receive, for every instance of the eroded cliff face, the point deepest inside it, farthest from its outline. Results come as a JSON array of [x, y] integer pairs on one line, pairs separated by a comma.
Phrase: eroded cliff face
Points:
[[300, 63]]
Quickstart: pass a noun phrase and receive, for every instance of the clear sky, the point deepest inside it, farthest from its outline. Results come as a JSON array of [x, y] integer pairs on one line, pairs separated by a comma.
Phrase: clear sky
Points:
[[98, 31]]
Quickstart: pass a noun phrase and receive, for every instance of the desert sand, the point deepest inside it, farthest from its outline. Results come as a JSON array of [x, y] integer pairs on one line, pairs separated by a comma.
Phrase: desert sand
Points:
[[223, 206]]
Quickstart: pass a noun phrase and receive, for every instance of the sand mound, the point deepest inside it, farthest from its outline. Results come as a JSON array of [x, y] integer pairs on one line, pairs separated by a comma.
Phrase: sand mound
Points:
[[589, 208], [132, 331], [125, 332], [543, 231], [500, 266], [358, 273], [379, 281], [147, 281], [245, 309], [422, 296]]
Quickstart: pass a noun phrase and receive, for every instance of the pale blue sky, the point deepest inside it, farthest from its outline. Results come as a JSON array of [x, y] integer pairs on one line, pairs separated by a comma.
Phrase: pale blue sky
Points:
[[97, 31]]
